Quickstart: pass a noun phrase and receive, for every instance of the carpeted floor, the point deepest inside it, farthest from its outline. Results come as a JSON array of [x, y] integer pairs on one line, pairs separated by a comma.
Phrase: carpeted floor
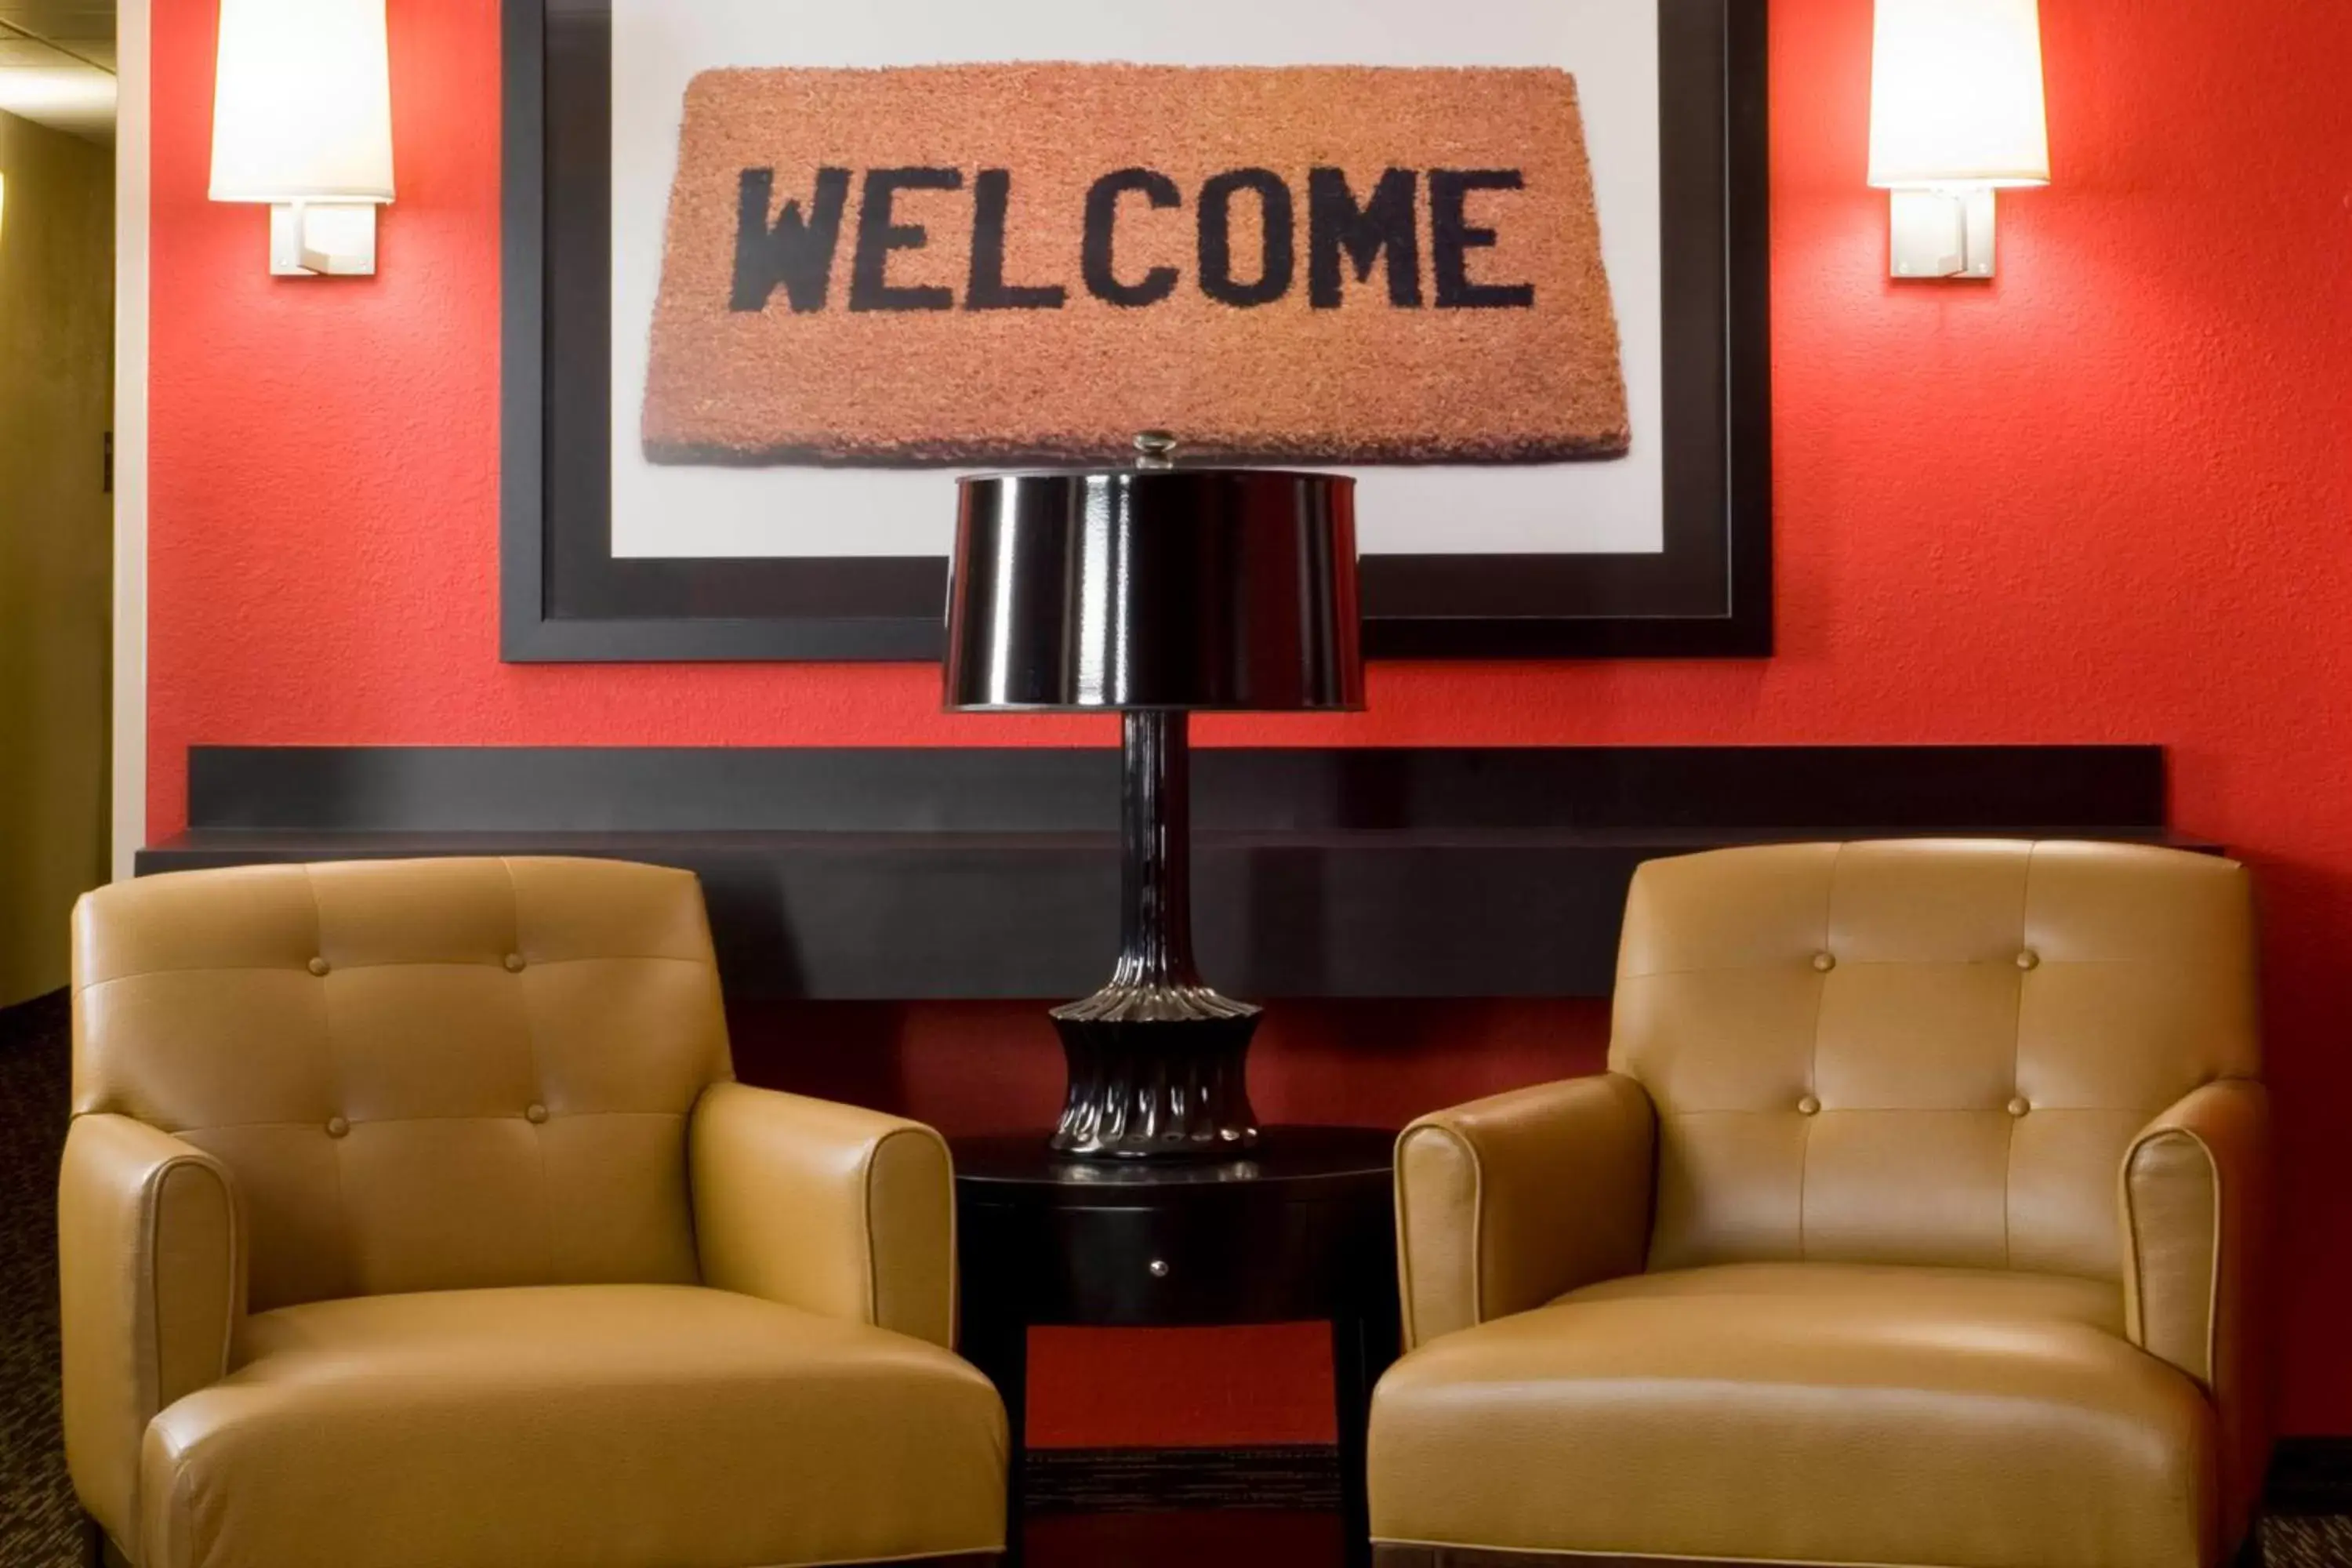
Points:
[[40, 1524], [2308, 1540]]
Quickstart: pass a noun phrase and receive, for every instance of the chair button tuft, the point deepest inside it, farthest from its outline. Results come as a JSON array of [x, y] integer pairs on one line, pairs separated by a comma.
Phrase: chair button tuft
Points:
[[1809, 1106], [536, 1113], [336, 1127], [514, 963], [2028, 959], [2019, 1106], [319, 966], [1824, 962]]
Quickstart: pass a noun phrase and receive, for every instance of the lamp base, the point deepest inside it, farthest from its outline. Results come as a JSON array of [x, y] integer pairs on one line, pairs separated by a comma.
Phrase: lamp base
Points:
[[1157, 1072]]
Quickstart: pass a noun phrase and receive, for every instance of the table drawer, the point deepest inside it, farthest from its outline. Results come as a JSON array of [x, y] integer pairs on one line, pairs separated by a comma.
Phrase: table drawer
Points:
[[1139, 1267]]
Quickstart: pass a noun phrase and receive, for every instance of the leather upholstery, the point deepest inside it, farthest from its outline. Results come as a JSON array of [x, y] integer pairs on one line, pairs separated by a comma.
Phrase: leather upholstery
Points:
[[1968, 1108], [825, 1207], [625, 1423], [1520, 1198], [2196, 1199], [150, 1278], [364, 1047], [1960, 1141], [334, 1095], [1802, 1412]]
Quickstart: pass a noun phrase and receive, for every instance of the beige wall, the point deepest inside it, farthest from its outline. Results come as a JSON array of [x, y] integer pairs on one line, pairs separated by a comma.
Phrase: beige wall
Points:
[[56, 322]]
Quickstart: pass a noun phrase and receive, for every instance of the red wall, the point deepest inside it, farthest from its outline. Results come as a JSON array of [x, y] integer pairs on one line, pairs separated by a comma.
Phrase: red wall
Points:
[[2106, 499]]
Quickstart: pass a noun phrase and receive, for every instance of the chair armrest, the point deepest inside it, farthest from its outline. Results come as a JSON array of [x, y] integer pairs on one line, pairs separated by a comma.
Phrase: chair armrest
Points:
[[2195, 1197], [2197, 1214], [1505, 1203], [826, 1207], [151, 1269]]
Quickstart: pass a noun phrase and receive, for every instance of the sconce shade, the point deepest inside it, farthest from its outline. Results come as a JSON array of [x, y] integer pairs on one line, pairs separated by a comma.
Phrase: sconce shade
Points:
[[1182, 589], [1956, 94], [302, 102]]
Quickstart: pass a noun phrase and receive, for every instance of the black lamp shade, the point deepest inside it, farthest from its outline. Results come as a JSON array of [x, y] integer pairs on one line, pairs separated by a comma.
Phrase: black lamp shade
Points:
[[1180, 589]]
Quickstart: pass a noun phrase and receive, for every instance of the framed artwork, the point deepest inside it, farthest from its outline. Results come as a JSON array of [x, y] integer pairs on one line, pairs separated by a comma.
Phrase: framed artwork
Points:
[[775, 269]]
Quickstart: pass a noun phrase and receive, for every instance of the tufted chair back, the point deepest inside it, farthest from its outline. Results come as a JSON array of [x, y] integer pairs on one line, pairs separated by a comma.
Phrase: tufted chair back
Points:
[[422, 1074], [1922, 1052]]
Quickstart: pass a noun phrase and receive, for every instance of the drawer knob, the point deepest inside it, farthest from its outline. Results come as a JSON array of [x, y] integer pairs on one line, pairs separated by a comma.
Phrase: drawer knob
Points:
[[1157, 1268]]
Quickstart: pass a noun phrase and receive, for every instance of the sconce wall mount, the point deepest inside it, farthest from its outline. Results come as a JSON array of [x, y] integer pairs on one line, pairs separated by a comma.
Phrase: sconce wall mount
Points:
[[1942, 232], [322, 239]]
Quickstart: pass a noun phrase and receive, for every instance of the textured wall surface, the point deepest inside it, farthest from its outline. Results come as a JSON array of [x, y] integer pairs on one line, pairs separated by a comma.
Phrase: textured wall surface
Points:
[[2105, 498], [57, 387]]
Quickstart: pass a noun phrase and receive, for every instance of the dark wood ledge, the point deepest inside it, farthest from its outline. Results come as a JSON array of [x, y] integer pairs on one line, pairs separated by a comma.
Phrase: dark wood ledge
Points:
[[969, 874]]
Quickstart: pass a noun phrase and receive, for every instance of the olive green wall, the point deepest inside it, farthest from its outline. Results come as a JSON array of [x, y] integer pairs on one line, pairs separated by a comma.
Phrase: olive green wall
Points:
[[56, 364]]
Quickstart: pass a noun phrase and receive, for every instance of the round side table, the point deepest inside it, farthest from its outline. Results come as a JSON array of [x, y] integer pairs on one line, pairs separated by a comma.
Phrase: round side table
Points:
[[1302, 1228]]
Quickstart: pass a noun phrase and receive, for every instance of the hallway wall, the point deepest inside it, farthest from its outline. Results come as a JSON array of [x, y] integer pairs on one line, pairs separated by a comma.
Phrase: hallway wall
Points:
[[57, 354]]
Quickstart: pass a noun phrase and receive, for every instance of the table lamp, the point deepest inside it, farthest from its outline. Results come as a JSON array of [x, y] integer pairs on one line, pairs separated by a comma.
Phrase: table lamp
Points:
[[1155, 592]]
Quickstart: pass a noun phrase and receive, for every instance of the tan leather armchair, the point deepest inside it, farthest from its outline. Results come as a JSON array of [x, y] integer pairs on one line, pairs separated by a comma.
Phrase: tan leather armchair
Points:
[[409, 1216], [1918, 1220]]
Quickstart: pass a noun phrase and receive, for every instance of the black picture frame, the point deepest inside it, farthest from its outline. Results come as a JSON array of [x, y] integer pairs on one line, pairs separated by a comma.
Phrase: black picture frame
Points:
[[565, 598]]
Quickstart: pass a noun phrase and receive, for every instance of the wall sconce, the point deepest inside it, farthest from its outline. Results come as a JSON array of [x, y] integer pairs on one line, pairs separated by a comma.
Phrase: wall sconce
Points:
[[302, 121], [1956, 113]]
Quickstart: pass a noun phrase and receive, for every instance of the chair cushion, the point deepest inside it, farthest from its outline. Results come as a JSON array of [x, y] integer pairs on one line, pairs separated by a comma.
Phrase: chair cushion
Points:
[[1802, 1412], [621, 1427]]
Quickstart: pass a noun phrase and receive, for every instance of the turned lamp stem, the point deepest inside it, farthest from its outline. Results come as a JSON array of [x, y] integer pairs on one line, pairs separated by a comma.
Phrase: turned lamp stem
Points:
[[1156, 852], [1156, 821]]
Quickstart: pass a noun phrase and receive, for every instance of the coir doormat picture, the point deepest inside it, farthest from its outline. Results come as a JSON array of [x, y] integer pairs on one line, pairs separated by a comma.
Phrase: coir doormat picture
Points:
[[950, 263]]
